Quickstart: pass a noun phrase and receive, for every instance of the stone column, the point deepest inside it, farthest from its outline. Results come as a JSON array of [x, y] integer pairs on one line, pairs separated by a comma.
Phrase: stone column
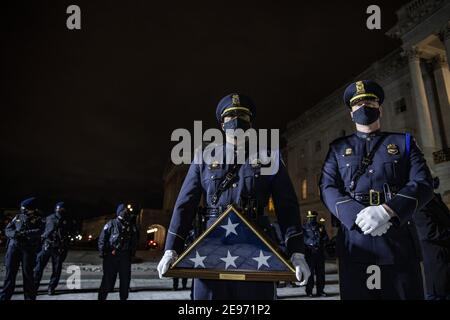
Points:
[[424, 124], [444, 36], [440, 65]]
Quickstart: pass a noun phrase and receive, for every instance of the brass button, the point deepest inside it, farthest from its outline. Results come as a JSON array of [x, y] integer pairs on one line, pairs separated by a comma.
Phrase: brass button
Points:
[[234, 185], [371, 171]]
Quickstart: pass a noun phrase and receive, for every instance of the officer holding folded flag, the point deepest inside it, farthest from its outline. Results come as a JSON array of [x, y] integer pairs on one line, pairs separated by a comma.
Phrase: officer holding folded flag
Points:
[[223, 184]]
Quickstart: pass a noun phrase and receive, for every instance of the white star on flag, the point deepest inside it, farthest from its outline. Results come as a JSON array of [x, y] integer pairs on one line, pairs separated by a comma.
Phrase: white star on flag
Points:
[[230, 227], [262, 259], [198, 260], [229, 260]]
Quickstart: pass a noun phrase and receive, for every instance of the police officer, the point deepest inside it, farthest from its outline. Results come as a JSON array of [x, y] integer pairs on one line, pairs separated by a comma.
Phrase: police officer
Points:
[[117, 245], [249, 189], [373, 181], [315, 237], [433, 228], [23, 234], [55, 246]]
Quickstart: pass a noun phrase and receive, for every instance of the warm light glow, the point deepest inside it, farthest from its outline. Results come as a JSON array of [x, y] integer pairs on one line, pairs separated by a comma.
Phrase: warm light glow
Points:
[[271, 205], [152, 230], [304, 190]]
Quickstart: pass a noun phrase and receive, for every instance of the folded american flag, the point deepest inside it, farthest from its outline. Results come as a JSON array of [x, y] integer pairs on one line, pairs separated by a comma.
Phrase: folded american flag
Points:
[[233, 249]]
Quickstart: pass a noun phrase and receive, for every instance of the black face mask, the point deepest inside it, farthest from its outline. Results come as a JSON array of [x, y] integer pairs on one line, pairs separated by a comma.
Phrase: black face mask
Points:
[[125, 216], [366, 115], [236, 123]]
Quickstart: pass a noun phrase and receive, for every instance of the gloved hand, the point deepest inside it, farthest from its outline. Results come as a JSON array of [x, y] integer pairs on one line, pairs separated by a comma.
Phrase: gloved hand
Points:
[[169, 257], [371, 218], [302, 271], [381, 230]]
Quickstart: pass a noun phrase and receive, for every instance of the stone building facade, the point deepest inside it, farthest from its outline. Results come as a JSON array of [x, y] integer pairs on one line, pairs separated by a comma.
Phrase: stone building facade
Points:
[[416, 80]]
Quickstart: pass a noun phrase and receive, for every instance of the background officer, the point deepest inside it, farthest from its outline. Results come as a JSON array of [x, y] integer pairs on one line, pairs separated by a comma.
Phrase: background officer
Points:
[[373, 182], [433, 228], [117, 245], [236, 111], [55, 246], [23, 234], [315, 237]]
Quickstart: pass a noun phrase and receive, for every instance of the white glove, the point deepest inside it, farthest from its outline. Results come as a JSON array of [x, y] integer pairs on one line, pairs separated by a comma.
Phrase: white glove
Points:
[[301, 268], [169, 257], [381, 230], [370, 218]]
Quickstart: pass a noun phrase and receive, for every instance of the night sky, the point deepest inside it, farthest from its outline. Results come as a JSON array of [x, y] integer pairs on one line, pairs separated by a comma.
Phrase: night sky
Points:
[[86, 115]]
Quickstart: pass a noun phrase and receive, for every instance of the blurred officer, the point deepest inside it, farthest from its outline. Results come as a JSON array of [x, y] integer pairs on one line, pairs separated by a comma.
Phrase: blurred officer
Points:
[[241, 184], [315, 237], [23, 234], [433, 228], [117, 245], [55, 246], [373, 181]]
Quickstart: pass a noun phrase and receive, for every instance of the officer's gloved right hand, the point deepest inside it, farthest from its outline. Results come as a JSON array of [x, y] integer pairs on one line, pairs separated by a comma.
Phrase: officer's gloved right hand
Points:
[[381, 230], [302, 271], [169, 257]]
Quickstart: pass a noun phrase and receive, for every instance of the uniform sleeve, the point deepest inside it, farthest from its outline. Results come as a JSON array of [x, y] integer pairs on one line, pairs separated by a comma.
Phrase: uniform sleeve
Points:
[[333, 194], [184, 210], [10, 230], [418, 191], [287, 210], [103, 239]]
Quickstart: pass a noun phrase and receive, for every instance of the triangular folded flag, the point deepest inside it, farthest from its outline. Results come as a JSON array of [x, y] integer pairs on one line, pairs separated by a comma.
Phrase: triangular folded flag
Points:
[[232, 248]]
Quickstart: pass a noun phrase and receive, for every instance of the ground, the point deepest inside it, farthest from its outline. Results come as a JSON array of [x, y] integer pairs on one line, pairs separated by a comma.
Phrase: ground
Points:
[[145, 283]]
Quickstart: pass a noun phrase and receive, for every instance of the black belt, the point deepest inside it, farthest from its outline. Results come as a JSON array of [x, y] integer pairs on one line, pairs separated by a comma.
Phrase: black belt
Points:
[[373, 198]]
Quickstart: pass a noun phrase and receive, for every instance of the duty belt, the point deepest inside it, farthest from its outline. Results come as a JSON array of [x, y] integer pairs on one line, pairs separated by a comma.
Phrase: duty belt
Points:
[[373, 198]]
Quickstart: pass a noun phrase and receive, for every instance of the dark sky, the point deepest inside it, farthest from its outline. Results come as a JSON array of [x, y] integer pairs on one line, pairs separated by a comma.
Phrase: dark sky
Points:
[[86, 115]]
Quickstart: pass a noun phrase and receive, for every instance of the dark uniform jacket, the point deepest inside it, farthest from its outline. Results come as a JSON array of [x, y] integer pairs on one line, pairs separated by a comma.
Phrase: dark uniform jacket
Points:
[[118, 236], [24, 230], [203, 179], [400, 164], [56, 232]]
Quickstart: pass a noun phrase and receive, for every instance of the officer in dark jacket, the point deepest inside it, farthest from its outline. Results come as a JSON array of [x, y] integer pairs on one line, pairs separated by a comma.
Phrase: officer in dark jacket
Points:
[[117, 245], [433, 228], [373, 182], [315, 237], [23, 234], [246, 188], [55, 246]]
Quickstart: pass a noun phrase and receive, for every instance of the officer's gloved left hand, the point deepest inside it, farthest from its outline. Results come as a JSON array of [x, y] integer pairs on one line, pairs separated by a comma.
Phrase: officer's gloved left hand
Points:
[[371, 218], [302, 271]]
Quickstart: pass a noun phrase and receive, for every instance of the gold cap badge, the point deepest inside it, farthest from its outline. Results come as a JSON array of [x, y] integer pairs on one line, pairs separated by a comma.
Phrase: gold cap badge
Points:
[[360, 87]]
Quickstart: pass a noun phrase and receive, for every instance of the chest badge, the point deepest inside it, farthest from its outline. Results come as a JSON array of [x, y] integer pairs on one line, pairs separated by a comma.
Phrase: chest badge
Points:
[[256, 163], [214, 164], [392, 149], [348, 151]]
